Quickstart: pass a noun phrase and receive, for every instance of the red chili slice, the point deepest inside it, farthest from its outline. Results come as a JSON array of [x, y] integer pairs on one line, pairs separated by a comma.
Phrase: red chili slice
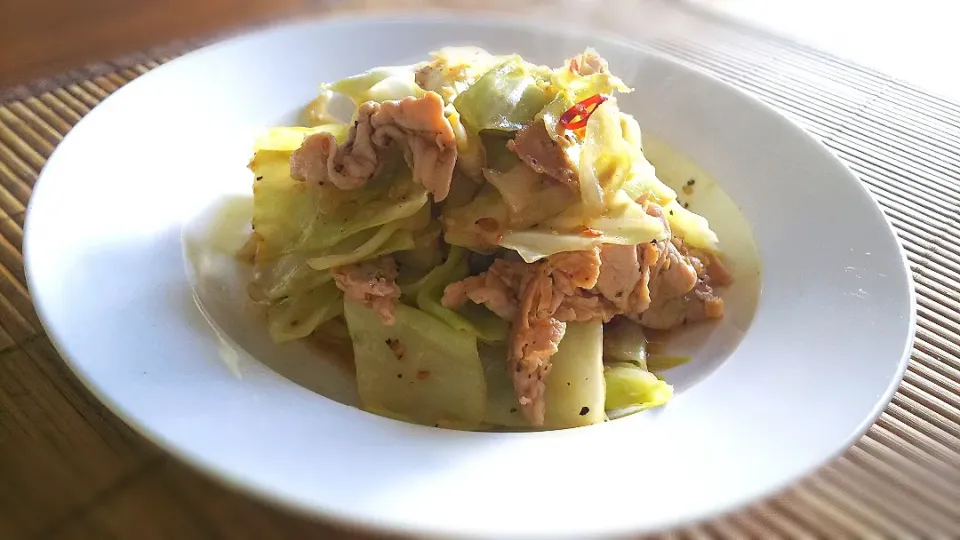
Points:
[[576, 117]]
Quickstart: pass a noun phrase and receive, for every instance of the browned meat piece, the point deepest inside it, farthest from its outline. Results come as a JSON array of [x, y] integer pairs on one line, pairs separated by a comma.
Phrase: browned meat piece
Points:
[[587, 63], [679, 289], [575, 269], [716, 271], [497, 288], [534, 339], [534, 147], [619, 275], [699, 304], [585, 306], [417, 125], [372, 283], [704, 303], [530, 365], [673, 275]]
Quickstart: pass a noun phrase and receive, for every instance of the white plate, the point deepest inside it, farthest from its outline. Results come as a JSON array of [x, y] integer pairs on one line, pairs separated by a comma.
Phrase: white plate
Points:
[[772, 395]]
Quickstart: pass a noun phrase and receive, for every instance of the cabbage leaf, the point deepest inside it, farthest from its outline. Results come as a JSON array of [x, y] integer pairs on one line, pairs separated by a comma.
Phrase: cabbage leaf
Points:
[[506, 98], [530, 197], [380, 84], [625, 223], [575, 389], [605, 159], [298, 315], [623, 341], [477, 224], [289, 138], [418, 369], [693, 228], [630, 387]]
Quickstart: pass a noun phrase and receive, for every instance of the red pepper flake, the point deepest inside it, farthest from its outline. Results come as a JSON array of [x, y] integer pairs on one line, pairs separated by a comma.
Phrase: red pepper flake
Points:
[[423, 374], [576, 117], [590, 233]]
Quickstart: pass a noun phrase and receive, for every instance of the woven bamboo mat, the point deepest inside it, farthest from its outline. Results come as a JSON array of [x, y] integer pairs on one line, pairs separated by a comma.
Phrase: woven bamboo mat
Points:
[[69, 469]]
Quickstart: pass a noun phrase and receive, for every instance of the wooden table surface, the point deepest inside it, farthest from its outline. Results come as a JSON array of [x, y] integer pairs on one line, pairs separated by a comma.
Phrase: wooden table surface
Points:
[[45, 37]]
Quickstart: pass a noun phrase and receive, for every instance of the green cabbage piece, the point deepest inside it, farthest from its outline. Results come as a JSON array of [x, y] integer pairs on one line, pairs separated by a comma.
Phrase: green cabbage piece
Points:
[[693, 228], [387, 239], [462, 191], [288, 214], [625, 223], [325, 233], [287, 275], [633, 388], [471, 153], [623, 341], [418, 369], [472, 318], [506, 98], [642, 179], [605, 159], [499, 157], [380, 84], [502, 408], [297, 316], [574, 394], [530, 197], [462, 224], [662, 362], [454, 69], [283, 208], [288, 139]]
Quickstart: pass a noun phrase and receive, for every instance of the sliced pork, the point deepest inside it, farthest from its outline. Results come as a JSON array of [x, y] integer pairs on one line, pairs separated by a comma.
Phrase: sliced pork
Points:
[[416, 125], [534, 147], [372, 283]]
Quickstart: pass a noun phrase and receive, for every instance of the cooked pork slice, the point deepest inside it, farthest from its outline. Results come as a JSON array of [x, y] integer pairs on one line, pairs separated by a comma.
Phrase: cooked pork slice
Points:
[[699, 304], [585, 306], [534, 339], [534, 147], [497, 289], [533, 345], [673, 275], [417, 125], [588, 62], [575, 269], [373, 283], [619, 275]]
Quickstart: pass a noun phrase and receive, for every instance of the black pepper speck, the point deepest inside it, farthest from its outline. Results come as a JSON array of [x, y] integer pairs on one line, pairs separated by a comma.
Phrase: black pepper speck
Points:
[[584, 411]]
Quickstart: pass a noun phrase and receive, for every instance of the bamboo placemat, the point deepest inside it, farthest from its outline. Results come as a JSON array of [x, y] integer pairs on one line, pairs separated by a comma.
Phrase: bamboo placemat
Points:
[[70, 469]]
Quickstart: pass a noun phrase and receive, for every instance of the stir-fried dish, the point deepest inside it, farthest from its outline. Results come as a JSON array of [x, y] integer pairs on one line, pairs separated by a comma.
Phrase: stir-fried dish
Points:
[[485, 236]]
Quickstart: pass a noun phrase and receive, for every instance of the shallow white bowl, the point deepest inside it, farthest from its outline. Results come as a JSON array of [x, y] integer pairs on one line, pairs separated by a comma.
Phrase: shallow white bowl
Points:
[[773, 393]]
